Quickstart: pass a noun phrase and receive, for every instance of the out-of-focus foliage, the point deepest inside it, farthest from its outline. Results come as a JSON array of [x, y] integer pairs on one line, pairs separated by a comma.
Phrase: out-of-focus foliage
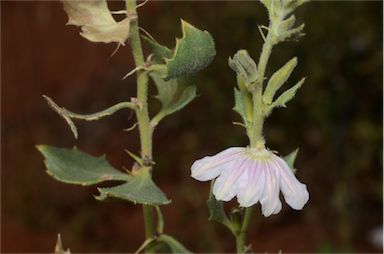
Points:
[[335, 120]]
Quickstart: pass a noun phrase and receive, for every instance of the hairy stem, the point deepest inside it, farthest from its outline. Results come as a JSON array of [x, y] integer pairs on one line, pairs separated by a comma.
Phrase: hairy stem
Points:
[[257, 139], [143, 120]]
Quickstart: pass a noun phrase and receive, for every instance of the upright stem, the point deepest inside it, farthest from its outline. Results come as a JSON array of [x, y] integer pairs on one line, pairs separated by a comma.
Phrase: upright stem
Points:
[[143, 120], [241, 235], [256, 138]]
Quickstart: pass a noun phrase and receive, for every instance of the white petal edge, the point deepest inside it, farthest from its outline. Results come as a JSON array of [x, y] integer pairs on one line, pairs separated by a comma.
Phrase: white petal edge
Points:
[[270, 201], [210, 167], [295, 193]]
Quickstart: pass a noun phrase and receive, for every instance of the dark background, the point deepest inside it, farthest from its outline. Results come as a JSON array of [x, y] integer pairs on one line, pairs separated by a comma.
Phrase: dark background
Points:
[[335, 119]]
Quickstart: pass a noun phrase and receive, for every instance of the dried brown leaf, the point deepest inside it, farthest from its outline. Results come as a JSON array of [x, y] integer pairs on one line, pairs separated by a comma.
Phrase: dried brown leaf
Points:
[[96, 21]]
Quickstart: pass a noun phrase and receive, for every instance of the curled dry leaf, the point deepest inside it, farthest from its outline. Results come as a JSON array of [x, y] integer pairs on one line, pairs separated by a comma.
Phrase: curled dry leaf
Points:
[[96, 21]]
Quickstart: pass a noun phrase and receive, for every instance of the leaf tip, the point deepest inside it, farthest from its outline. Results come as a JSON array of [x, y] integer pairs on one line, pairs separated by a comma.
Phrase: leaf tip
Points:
[[41, 148]]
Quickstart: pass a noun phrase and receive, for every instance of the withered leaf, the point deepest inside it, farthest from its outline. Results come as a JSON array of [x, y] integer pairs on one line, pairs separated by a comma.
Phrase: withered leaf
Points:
[[96, 21]]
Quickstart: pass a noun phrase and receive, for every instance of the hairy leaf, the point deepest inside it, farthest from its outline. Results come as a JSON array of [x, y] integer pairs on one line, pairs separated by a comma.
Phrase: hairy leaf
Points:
[[140, 189], [287, 95], [239, 105], [173, 94], [285, 25], [278, 79], [76, 167], [193, 52], [159, 51], [96, 21]]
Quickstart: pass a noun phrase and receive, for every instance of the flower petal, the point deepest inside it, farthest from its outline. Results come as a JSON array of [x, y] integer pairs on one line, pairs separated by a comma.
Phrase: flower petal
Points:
[[254, 186], [210, 167], [295, 193], [226, 184], [270, 201]]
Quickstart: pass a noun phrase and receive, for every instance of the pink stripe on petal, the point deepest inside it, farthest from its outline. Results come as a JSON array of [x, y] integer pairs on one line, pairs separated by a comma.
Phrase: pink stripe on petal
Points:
[[225, 186], [251, 193], [270, 201], [295, 193]]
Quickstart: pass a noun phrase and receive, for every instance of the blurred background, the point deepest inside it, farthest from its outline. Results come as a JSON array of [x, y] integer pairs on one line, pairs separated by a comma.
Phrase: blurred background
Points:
[[335, 120]]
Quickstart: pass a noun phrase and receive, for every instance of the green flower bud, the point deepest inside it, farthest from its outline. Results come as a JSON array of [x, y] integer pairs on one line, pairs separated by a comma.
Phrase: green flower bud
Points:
[[244, 66]]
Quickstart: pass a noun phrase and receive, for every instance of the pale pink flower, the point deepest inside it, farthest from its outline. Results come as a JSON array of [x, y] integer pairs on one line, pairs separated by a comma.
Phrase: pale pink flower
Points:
[[252, 175]]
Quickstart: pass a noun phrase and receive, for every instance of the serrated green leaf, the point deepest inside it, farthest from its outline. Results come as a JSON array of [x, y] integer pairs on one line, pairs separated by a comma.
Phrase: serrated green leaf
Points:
[[76, 167], [278, 79], [193, 52], [287, 95], [216, 210], [290, 159], [159, 51], [187, 95], [173, 94], [139, 189], [174, 245], [166, 89]]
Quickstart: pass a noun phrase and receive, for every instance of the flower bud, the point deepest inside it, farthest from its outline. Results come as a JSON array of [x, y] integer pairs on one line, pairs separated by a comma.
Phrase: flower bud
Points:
[[244, 66]]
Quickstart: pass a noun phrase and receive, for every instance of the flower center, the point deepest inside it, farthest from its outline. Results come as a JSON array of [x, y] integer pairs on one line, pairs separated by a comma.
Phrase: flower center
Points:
[[258, 153]]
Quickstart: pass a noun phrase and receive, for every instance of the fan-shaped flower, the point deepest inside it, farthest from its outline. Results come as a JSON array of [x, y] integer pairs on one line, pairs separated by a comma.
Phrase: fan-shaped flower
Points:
[[252, 175]]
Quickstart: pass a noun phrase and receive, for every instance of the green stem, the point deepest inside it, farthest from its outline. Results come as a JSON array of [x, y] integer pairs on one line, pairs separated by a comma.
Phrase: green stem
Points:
[[257, 139], [143, 120], [242, 234]]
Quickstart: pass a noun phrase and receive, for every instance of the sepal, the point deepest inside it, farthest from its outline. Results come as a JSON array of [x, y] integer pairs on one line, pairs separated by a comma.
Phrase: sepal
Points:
[[290, 160]]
